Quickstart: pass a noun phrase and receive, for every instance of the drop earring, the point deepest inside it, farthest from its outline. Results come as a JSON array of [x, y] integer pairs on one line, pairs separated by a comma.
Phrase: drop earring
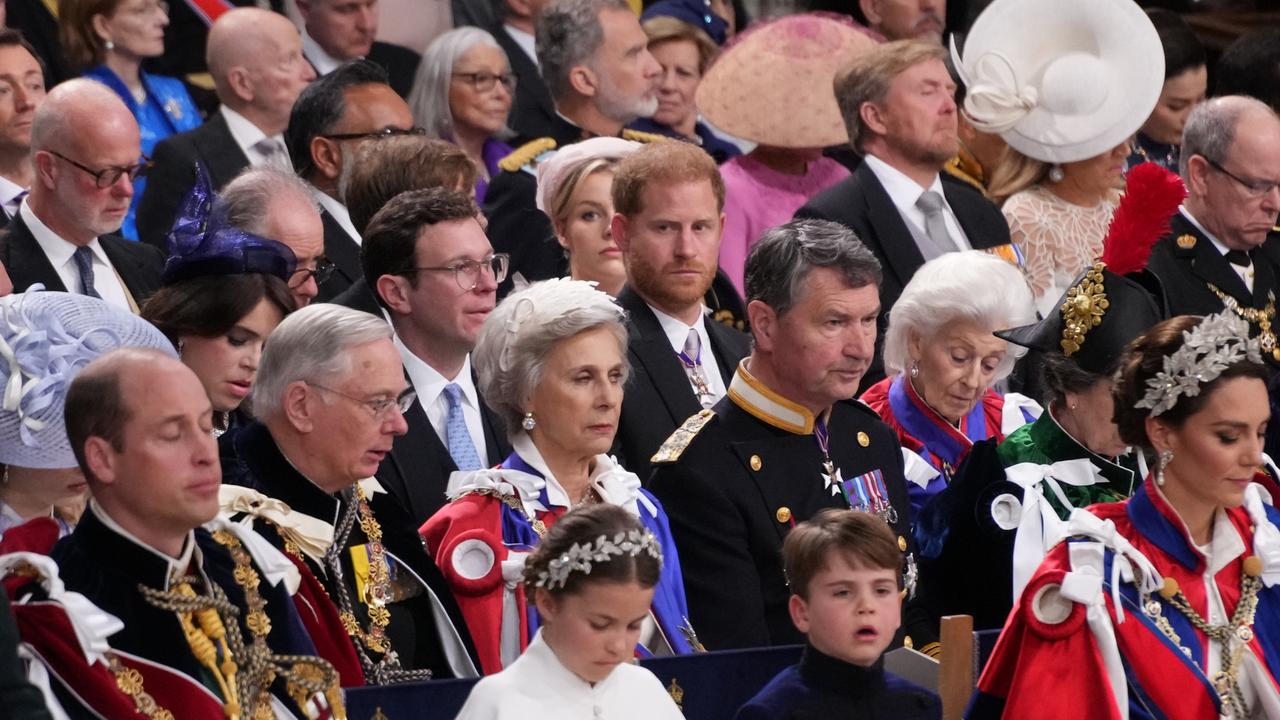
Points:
[[1166, 457], [180, 344], [108, 46], [915, 370], [1056, 174], [528, 423]]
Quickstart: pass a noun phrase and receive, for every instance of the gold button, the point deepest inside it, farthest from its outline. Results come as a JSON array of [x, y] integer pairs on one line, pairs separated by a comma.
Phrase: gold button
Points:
[[1186, 242], [863, 439], [906, 641], [783, 515], [756, 464], [902, 543]]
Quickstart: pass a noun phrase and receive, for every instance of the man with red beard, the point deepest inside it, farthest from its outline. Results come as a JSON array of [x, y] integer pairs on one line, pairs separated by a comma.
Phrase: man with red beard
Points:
[[435, 275], [786, 441], [669, 200]]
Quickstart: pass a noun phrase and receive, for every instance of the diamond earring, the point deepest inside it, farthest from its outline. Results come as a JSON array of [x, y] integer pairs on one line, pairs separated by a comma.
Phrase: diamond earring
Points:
[[528, 423], [1166, 457]]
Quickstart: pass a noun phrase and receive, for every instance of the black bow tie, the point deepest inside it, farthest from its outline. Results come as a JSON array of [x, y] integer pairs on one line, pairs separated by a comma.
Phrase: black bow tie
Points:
[[1238, 257]]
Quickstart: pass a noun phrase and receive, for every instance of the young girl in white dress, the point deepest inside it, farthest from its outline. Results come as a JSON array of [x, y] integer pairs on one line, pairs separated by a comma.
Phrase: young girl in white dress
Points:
[[592, 579]]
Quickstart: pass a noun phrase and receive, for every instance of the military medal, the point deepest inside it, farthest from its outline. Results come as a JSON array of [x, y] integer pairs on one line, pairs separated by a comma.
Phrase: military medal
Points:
[[866, 492], [693, 368], [830, 473]]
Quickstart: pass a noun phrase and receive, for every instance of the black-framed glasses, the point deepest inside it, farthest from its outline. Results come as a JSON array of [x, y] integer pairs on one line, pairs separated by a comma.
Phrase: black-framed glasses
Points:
[[380, 407], [1253, 188], [107, 177], [384, 133], [322, 271], [484, 82], [467, 272]]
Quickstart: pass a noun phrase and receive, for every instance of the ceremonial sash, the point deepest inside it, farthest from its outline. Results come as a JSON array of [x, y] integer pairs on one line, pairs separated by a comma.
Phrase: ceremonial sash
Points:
[[941, 440]]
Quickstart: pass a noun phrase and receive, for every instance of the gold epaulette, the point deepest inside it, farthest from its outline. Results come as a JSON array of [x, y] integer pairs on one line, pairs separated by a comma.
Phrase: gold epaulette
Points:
[[680, 439], [933, 650], [203, 80], [643, 137], [526, 154]]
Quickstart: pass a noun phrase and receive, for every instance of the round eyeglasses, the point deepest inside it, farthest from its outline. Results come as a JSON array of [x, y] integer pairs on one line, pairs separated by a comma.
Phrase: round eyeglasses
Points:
[[467, 272]]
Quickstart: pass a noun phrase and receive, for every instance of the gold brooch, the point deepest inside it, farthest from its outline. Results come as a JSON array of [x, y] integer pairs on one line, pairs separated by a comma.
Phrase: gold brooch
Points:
[[1083, 309], [1186, 242]]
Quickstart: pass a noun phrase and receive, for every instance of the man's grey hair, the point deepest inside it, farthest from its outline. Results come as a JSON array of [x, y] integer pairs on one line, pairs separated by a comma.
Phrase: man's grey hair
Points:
[[311, 345], [996, 298], [779, 264], [429, 99], [511, 351], [568, 34], [1211, 127], [249, 195]]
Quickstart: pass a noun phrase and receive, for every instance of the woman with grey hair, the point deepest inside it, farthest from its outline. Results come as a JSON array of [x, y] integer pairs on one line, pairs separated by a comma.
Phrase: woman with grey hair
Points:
[[551, 360], [942, 360], [463, 93]]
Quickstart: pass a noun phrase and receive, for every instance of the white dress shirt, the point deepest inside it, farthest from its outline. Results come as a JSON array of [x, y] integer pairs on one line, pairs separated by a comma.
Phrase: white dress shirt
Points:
[[247, 136], [677, 332], [339, 213], [105, 279], [323, 62], [904, 192], [1244, 272], [429, 384], [525, 40], [11, 194]]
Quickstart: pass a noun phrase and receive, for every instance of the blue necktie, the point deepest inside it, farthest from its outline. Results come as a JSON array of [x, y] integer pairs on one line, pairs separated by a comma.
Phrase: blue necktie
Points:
[[456, 434], [84, 263]]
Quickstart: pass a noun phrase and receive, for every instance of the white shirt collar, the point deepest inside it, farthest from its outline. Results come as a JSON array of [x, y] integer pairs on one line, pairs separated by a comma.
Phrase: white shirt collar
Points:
[[57, 249], [9, 192], [339, 213], [323, 62], [428, 382], [1222, 249], [178, 566], [902, 190], [247, 136], [525, 40], [677, 331]]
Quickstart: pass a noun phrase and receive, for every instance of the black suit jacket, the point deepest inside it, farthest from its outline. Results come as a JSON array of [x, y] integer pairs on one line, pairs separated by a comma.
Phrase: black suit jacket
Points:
[[659, 397], [139, 265], [344, 253], [173, 174], [732, 497], [533, 115], [401, 65], [418, 468], [1186, 272], [860, 203]]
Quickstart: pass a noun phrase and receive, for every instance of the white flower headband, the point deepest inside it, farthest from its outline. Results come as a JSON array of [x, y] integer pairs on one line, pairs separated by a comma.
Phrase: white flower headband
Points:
[[582, 556], [1208, 349]]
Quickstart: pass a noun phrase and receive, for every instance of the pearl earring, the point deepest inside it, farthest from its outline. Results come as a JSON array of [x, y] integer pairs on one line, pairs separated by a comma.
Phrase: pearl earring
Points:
[[108, 45], [528, 423], [1166, 457], [1056, 174], [915, 369]]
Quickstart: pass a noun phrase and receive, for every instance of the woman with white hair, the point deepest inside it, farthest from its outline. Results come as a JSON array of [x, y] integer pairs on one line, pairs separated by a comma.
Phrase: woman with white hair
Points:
[[463, 93], [551, 360], [942, 360]]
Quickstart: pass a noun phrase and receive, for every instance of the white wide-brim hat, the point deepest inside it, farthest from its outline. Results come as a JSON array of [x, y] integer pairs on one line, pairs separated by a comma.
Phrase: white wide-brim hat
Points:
[[1061, 80], [46, 339]]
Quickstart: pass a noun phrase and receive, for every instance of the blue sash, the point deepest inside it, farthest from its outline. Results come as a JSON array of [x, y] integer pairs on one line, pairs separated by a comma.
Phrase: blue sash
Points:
[[937, 435]]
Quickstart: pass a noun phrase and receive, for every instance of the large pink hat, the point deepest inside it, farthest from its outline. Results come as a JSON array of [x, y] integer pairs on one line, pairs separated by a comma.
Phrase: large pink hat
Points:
[[774, 84]]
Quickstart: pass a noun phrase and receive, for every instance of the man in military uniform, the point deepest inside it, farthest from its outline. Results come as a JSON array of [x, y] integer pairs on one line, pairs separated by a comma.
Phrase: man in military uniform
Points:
[[786, 441], [594, 58], [1221, 251]]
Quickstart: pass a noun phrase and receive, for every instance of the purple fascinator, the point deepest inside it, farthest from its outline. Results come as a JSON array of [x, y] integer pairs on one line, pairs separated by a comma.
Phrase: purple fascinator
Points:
[[203, 242]]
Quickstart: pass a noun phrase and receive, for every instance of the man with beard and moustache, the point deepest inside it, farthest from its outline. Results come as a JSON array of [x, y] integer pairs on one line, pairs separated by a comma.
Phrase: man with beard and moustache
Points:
[[669, 200], [898, 102], [594, 57], [786, 441], [333, 116]]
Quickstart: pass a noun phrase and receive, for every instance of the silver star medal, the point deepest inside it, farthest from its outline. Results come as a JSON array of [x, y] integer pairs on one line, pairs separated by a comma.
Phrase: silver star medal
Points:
[[832, 477]]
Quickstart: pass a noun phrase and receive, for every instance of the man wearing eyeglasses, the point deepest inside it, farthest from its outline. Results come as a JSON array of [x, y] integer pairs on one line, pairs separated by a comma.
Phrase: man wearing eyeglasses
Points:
[[255, 59], [1218, 252], [86, 151], [276, 204], [333, 117], [436, 276], [330, 399]]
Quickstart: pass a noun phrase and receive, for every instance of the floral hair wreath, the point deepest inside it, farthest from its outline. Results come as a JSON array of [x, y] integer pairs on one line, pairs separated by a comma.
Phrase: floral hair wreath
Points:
[[582, 556], [1208, 349]]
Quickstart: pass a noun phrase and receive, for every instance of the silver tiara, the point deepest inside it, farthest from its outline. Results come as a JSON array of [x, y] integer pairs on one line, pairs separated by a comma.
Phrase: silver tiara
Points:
[[1217, 343], [582, 556]]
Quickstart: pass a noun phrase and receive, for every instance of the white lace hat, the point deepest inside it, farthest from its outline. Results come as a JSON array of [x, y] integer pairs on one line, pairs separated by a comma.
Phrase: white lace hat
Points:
[[1061, 80], [46, 339]]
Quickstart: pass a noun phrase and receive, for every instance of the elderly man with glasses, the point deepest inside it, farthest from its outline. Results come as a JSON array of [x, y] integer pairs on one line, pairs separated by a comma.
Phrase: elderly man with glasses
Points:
[[331, 398], [435, 275], [333, 117], [86, 151]]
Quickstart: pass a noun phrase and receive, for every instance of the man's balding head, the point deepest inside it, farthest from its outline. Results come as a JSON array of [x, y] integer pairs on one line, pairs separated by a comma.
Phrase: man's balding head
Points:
[[75, 106], [255, 58]]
